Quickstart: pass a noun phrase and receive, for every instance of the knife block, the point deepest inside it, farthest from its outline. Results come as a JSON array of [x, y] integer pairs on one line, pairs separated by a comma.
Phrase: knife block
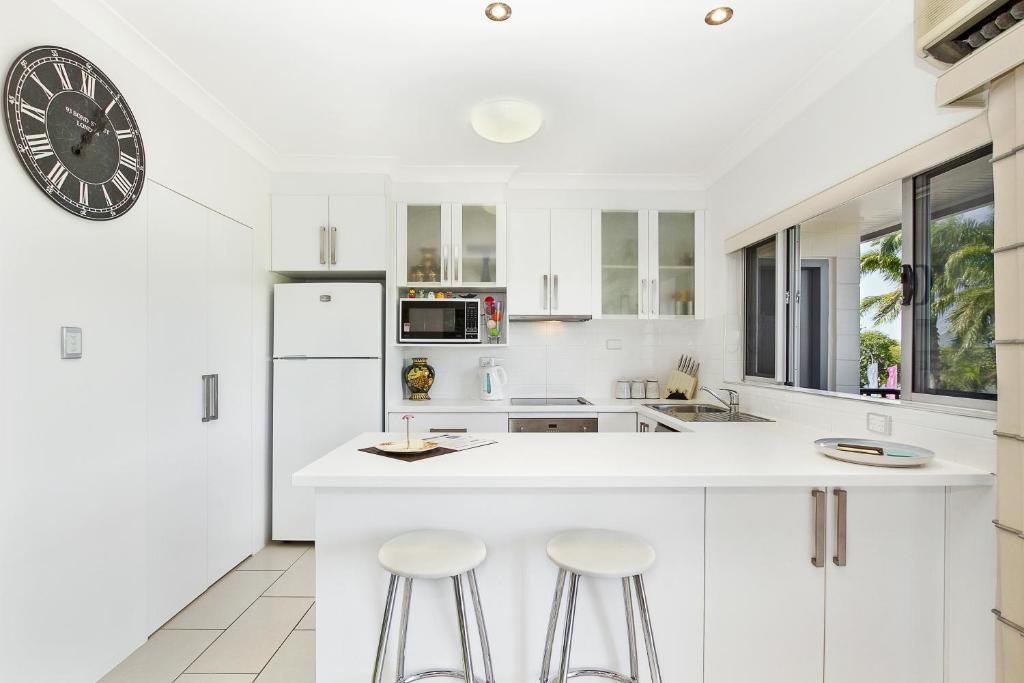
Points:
[[681, 384]]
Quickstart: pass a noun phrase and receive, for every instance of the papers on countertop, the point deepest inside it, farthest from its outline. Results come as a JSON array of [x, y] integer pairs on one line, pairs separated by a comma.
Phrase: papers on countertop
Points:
[[460, 442]]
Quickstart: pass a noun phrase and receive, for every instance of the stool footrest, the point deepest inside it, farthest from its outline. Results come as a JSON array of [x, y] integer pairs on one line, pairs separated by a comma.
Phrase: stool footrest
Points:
[[437, 673], [595, 673]]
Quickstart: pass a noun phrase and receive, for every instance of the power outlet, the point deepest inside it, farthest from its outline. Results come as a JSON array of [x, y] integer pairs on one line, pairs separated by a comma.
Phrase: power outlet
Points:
[[613, 344], [880, 424], [70, 342]]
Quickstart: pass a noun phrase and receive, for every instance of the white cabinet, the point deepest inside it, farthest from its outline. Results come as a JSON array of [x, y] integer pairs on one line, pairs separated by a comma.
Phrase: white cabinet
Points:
[[549, 262], [199, 470], [423, 423], [647, 264], [616, 422], [645, 424], [452, 245], [321, 233], [875, 614]]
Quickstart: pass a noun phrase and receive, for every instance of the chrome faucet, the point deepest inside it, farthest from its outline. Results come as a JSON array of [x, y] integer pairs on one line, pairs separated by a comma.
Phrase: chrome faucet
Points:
[[733, 404]]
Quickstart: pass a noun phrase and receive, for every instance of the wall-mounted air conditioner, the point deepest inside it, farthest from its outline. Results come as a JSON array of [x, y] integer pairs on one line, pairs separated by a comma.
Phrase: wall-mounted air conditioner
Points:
[[949, 30]]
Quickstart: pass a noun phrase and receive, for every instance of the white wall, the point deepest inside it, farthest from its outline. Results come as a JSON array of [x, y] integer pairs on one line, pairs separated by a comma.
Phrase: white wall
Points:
[[72, 433]]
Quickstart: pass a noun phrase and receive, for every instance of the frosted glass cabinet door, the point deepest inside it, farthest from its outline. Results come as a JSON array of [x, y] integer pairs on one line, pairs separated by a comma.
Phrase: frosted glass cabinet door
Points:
[[621, 276], [424, 244], [673, 264], [478, 245]]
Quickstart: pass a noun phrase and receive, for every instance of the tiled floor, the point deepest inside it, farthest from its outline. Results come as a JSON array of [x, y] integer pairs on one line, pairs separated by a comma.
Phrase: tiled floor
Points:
[[254, 625]]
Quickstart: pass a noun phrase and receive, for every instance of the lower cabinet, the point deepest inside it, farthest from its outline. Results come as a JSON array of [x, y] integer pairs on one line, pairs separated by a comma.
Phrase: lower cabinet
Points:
[[199, 427], [449, 422], [840, 586], [616, 422]]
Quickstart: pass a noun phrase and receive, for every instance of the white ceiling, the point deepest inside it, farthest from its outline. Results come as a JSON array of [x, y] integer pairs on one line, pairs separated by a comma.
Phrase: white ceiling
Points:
[[633, 86]]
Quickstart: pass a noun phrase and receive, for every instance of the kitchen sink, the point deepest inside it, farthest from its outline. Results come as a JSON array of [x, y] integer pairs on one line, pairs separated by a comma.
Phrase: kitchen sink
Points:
[[702, 412]]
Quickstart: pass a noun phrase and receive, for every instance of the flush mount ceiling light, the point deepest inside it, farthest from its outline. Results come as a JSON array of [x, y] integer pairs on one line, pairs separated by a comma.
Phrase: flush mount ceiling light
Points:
[[506, 121], [718, 16], [498, 11]]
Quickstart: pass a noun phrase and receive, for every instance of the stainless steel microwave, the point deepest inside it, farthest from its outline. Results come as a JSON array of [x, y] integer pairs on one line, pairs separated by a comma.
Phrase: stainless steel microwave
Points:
[[439, 321]]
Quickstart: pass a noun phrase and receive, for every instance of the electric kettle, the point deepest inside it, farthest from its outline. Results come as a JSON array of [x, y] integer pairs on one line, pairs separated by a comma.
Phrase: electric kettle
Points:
[[492, 380]]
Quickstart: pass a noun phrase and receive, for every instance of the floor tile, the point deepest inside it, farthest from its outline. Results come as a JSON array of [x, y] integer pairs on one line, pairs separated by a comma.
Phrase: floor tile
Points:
[[295, 662], [252, 640], [308, 622], [224, 601], [299, 580], [276, 555], [216, 678], [161, 658]]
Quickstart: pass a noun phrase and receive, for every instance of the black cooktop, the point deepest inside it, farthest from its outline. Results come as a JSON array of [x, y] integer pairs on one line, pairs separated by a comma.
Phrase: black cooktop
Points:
[[577, 401]]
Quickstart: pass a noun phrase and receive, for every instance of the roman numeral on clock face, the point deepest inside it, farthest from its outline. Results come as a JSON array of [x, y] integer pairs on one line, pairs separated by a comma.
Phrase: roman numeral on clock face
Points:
[[129, 161], [88, 84], [83, 193], [39, 144], [35, 77], [62, 73], [121, 182], [35, 112], [106, 196], [57, 175], [111, 105], [124, 134]]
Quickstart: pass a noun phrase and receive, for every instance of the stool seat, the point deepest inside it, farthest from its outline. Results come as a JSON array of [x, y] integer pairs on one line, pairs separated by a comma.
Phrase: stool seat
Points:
[[432, 554], [601, 553]]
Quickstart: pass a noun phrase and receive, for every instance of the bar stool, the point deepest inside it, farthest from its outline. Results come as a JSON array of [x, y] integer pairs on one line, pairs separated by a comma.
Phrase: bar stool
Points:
[[602, 554], [433, 554]]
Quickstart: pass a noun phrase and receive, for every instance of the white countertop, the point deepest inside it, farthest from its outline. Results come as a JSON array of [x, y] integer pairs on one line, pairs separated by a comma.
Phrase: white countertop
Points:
[[454, 405], [709, 454]]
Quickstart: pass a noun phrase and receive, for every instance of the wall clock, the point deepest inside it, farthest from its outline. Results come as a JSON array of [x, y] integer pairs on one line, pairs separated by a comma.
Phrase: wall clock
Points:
[[74, 133]]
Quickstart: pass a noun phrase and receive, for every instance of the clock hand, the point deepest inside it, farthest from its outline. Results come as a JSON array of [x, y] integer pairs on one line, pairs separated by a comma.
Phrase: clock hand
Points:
[[88, 136]]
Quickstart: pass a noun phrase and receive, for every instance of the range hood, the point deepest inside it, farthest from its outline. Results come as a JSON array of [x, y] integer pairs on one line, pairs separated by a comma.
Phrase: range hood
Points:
[[549, 318]]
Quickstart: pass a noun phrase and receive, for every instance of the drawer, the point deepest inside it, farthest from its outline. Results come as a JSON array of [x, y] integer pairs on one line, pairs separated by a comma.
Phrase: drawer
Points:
[[450, 422], [616, 422]]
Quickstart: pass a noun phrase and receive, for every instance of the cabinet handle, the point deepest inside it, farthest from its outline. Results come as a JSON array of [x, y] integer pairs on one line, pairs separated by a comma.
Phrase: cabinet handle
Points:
[[459, 430], [544, 296], [208, 398], [654, 297], [323, 235], [334, 246], [643, 296], [444, 264], [554, 293], [455, 262], [839, 559], [818, 559]]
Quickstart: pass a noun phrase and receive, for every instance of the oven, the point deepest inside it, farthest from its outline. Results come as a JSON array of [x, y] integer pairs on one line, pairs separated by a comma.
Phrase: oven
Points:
[[439, 321]]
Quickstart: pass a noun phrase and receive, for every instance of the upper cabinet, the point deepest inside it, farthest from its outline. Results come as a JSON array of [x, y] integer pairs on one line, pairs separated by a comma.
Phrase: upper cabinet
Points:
[[451, 245], [321, 233], [647, 264], [549, 262]]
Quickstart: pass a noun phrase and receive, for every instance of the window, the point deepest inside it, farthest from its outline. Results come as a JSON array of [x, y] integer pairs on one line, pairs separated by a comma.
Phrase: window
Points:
[[954, 352], [759, 305]]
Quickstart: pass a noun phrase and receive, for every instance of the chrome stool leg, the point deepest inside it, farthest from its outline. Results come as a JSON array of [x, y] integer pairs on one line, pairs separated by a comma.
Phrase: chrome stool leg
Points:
[[481, 626], [385, 628], [634, 665], [549, 643], [467, 651], [403, 631], [570, 619], [645, 621]]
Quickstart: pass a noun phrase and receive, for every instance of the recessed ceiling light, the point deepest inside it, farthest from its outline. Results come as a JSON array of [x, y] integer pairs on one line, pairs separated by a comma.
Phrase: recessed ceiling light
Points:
[[718, 16], [498, 11], [506, 121]]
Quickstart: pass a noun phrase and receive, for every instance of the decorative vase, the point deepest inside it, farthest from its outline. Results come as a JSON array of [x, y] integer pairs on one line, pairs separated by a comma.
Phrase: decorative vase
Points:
[[418, 377]]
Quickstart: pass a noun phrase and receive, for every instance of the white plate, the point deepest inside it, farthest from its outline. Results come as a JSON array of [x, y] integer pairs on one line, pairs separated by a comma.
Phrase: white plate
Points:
[[916, 454], [401, 447]]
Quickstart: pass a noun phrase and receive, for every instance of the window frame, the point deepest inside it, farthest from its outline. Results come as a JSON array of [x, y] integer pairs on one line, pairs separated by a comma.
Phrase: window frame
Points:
[[746, 310]]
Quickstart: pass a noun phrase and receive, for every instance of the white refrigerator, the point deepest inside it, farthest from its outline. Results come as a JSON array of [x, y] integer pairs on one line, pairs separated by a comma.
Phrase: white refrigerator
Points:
[[328, 384]]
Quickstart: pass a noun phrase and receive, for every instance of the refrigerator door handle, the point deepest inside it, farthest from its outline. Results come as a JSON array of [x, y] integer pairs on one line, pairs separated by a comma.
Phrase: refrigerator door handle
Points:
[[215, 412], [206, 397]]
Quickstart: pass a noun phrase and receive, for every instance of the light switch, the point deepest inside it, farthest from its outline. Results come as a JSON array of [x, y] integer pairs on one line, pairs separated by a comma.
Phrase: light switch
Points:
[[879, 424], [71, 342], [613, 344]]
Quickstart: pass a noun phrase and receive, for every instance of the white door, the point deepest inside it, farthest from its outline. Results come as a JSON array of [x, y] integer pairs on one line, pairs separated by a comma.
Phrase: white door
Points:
[[176, 435], [299, 233], [318, 405], [884, 608], [570, 262], [529, 262], [764, 599], [358, 233], [327, 320], [229, 437]]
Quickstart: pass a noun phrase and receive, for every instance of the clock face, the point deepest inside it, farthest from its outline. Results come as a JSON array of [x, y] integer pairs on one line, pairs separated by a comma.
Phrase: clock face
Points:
[[74, 133]]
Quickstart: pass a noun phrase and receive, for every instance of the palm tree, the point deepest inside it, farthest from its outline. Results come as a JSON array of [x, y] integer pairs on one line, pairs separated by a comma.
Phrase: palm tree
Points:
[[885, 258]]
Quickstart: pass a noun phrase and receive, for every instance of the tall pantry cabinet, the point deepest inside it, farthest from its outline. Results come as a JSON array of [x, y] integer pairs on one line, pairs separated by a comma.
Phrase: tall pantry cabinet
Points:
[[199, 383]]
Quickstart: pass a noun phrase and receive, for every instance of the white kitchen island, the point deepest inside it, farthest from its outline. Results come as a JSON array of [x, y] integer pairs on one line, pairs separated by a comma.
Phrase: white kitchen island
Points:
[[735, 596]]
